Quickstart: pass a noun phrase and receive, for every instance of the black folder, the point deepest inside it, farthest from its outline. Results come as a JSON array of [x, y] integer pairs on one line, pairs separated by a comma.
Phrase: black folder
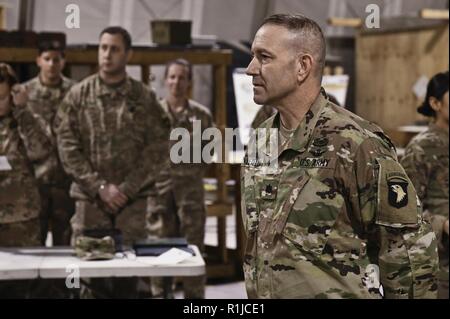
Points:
[[158, 246]]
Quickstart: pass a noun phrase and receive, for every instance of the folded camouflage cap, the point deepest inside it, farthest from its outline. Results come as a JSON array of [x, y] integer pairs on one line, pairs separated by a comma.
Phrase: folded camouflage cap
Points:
[[90, 248]]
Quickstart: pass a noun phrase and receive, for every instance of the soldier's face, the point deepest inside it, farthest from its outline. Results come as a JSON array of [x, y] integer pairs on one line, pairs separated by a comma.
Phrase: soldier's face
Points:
[[5, 99], [51, 64], [177, 80], [112, 56], [273, 65]]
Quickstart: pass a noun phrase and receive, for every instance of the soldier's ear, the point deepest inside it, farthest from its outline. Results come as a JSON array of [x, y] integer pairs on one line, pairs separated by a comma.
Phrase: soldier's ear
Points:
[[434, 103], [63, 63], [38, 60], [304, 66], [129, 55]]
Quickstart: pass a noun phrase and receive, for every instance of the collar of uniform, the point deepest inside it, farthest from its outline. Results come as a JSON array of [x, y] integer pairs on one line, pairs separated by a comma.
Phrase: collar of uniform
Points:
[[5, 120], [104, 89], [63, 86], [66, 82], [302, 134], [165, 107], [440, 131], [185, 112], [48, 87], [35, 81]]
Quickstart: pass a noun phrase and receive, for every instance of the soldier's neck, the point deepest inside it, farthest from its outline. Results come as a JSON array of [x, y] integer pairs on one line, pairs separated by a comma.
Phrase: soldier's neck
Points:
[[112, 79], [6, 116], [176, 104], [442, 124], [50, 82], [294, 107]]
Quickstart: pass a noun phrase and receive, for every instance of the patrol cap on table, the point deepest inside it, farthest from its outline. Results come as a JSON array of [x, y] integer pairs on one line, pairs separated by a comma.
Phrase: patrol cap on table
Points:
[[90, 248]]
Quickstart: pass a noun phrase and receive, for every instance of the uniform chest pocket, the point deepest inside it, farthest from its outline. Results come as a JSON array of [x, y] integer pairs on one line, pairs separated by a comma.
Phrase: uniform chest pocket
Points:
[[313, 213], [92, 118]]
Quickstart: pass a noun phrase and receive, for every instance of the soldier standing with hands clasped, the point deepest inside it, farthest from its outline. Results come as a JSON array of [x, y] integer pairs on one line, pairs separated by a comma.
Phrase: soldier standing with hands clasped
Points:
[[112, 139], [185, 201], [46, 91]]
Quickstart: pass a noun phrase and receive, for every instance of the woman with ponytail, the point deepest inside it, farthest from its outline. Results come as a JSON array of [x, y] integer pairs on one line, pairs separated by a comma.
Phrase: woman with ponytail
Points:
[[426, 162]]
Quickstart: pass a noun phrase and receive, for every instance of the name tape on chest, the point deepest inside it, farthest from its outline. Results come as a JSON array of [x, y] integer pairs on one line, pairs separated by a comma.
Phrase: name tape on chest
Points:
[[311, 162]]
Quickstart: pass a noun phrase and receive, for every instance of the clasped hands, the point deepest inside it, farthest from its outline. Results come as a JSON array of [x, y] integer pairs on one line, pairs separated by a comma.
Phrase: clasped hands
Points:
[[112, 197]]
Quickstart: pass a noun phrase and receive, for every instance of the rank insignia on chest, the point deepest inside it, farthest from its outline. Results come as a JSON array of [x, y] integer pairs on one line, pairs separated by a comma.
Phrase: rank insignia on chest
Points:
[[269, 189], [317, 151], [320, 142]]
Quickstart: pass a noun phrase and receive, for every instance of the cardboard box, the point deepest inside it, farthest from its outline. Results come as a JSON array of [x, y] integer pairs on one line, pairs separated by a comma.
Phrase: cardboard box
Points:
[[171, 32], [25, 39]]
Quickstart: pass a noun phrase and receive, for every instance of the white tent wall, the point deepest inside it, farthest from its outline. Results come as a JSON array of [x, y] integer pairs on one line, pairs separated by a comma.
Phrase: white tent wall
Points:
[[12, 13], [232, 20], [229, 20]]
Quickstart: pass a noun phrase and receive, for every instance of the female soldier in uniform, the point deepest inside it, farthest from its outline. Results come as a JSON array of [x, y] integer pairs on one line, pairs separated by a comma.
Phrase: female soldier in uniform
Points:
[[426, 163], [22, 143]]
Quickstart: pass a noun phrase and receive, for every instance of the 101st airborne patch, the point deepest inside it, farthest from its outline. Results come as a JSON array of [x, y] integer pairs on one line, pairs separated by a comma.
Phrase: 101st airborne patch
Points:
[[398, 190]]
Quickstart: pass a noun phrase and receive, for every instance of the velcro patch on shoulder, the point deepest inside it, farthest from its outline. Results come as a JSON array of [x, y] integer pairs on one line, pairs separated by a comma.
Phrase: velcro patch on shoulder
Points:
[[397, 204]]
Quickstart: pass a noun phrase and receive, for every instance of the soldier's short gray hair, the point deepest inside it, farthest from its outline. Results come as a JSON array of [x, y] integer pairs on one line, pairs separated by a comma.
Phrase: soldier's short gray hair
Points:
[[311, 35]]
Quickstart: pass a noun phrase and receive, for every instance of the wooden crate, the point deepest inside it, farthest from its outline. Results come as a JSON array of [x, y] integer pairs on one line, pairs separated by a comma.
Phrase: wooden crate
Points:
[[388, 64], [2, 17]]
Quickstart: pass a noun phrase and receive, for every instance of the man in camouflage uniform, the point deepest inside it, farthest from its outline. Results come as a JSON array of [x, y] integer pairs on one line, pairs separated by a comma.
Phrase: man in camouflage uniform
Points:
[[22, 144], [186, 199], [46, 92], [330, 213], [112, 139], [426, 162]]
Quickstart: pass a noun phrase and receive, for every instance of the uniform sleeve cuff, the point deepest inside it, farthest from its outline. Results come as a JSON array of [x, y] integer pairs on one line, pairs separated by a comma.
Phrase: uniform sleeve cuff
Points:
[[127, 190], [94, 187]]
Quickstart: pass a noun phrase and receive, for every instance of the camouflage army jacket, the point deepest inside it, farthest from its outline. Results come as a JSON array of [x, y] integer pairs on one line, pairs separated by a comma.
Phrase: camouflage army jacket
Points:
[[112, 135], [44, 102], [22, 144], [193, 112], [426, 162], [337, 217]]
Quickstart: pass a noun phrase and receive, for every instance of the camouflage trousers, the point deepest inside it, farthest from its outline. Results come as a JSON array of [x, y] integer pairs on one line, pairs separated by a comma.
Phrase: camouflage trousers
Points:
[[132, 223], [20, 234], [443, 289], [57, 210], [185, 216]]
